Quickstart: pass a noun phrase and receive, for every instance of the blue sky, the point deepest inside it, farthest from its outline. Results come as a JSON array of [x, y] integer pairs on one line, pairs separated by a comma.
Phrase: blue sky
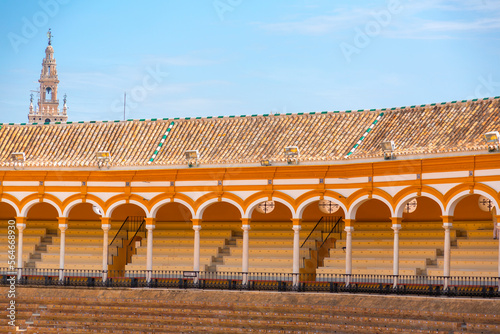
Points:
[[230, 57]]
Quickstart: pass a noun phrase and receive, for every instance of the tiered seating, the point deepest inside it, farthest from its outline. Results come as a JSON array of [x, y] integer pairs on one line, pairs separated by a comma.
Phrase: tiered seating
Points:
[[476, 252], [32, 236], [173, 247], [83, 249], [372, 249], [270, 248], [201, 313]]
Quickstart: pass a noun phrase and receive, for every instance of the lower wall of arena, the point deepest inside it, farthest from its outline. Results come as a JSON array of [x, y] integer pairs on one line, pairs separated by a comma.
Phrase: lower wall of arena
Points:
[[390, 302]]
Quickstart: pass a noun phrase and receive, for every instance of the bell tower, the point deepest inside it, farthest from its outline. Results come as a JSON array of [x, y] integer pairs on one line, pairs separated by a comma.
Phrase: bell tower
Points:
[[48, 104]]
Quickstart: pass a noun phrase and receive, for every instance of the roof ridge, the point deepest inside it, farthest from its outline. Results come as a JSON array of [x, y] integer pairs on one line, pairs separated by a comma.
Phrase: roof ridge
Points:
[[263, 115]]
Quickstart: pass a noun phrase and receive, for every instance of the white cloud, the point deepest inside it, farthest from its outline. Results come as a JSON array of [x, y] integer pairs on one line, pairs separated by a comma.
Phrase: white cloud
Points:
[[415, 19]]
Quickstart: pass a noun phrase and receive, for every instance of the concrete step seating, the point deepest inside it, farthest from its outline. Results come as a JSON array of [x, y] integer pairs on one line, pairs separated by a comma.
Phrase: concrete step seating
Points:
[[78, 315], [403, 234], [477, 254], [480, 234], [423, 253], [477, 244], [31, 238], [372, 270], [389, 244], [464, 272], [173, 249], [471, 263]]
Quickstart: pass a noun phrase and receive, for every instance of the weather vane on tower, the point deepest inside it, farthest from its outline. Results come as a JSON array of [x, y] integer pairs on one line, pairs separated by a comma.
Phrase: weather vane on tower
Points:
[[49, 36]]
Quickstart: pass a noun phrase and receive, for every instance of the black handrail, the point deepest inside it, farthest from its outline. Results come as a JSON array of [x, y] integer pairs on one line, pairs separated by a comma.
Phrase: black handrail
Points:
[[331, 231], [121, 227], [139, 229], [315, 226]]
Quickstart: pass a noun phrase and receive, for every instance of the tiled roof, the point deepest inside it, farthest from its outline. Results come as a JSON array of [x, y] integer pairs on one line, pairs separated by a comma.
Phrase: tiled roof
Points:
[[439, 128], [321, 136]]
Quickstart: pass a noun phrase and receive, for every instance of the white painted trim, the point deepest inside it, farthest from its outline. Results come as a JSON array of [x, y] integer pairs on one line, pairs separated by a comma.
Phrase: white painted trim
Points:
[[450, 209], [251, 207], [200, 183], [353, 208], [149, 184], [201, 209], [28, 206], [62, 184], [71, 205], [21, 183], [295, 181], [363, 179], [105, 184], [113, 206], [393, 178], [447, 175], [244, 182], [487, 172], [157, 206], [400, 205], [4, 200], [304, 204]]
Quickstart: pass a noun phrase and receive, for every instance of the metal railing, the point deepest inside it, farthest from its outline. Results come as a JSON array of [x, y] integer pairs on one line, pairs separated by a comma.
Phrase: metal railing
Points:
[[326, 224], [134, 224], [486, 287]]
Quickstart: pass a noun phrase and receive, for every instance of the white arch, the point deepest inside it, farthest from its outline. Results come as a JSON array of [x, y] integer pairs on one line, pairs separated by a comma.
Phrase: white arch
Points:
[[28, 206], [353, 208], [113, 206], [11, 204], [201, 209], [157, 206], [302, 206], [71, 205], [401, 204], [251, 207], [450, 208]]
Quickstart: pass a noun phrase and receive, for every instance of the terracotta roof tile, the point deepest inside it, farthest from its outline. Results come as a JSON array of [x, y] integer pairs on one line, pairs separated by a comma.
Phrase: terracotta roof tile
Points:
[[440, 128]]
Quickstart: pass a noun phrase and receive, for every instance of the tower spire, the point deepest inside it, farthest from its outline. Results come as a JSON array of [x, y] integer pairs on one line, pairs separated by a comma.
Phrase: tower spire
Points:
[[48, 104], [49, 36]]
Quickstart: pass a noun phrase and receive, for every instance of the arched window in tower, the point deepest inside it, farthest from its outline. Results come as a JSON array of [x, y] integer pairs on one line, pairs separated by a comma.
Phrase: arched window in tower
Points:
[[48, 94], [47, 120], [48, 71]]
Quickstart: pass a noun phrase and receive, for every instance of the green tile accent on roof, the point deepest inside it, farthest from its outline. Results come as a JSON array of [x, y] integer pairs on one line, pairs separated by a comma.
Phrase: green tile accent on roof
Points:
[[130, 120]]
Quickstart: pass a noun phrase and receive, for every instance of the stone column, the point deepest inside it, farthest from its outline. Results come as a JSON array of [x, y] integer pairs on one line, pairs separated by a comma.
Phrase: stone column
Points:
[[106, 226], [150, 226], [447, 225], [348, 249], [396, 226], [496, 223], [296, 250], [63, 226], [244, 261], [21, 225], [196, 255]]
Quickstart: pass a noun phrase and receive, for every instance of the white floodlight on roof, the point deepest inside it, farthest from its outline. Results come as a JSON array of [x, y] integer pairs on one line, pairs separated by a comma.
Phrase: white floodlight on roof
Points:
[[18, 158], [493, 140], [292, 154], [388, 148], [192, 157], [103, 158], [265, 162]]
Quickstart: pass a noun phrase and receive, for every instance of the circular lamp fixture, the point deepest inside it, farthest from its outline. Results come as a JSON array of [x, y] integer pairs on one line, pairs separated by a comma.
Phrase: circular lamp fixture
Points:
[[410, 206], [265, 207], [485, 204], [97, 210], [327, 206]]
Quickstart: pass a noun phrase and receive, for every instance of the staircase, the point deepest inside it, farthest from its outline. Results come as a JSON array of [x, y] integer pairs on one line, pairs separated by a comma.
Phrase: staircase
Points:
[[224, 251], [131, 230], [39, 249], [313, 250]]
